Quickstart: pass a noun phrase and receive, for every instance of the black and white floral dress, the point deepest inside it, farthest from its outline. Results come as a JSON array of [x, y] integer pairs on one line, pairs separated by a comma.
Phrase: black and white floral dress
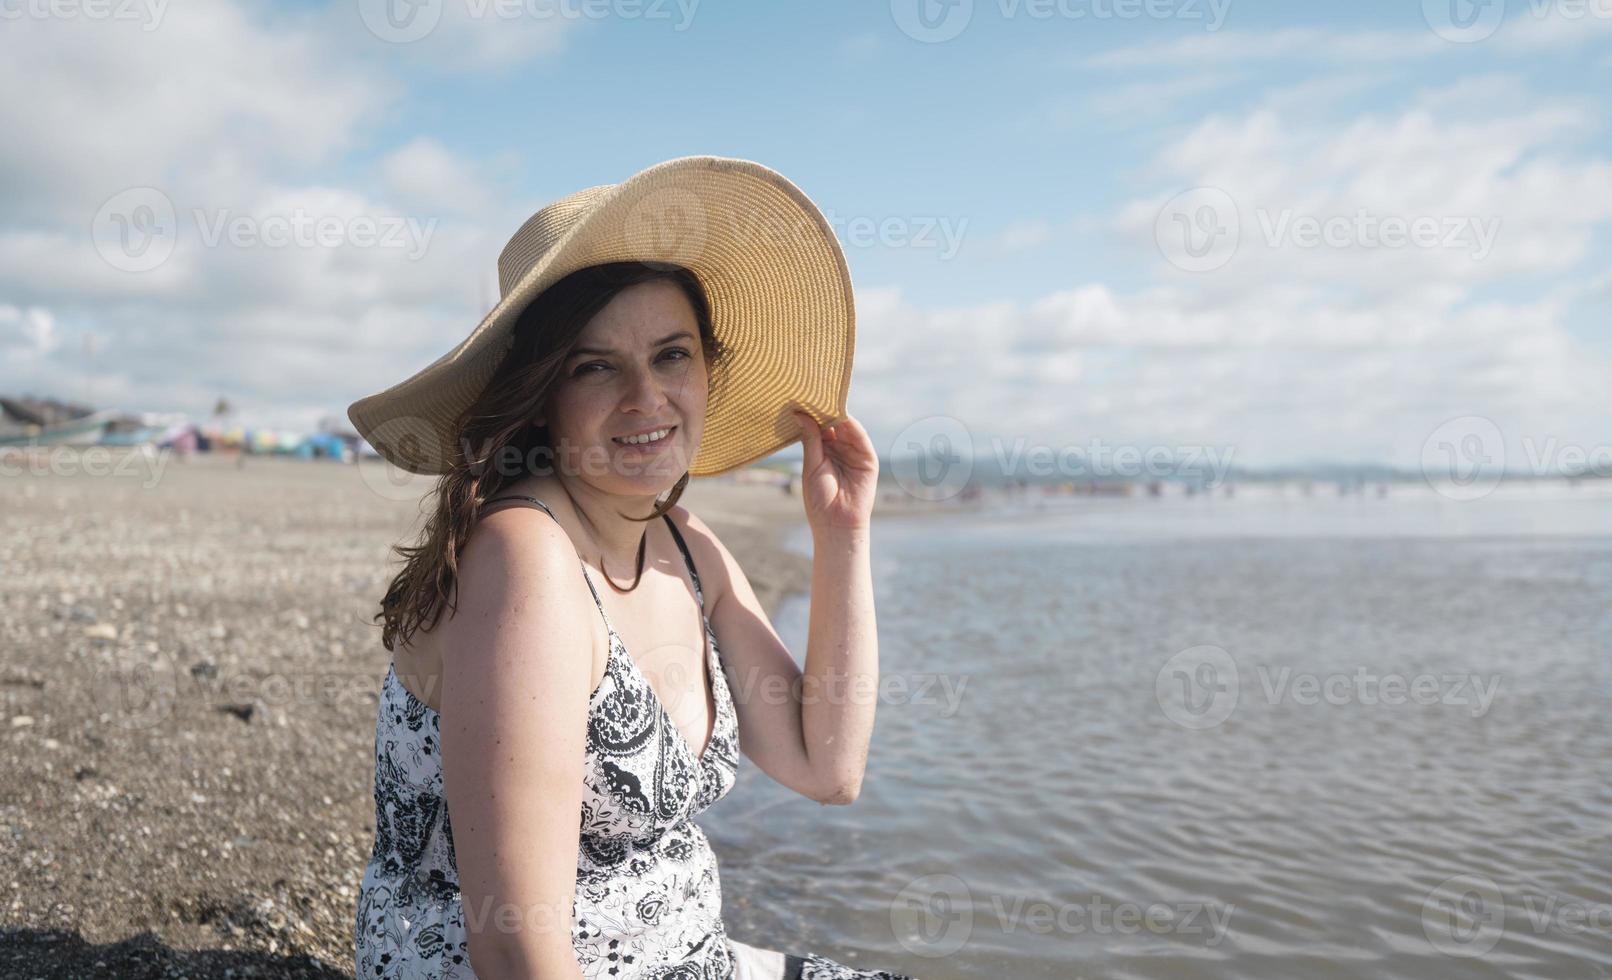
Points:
[[648, 895]]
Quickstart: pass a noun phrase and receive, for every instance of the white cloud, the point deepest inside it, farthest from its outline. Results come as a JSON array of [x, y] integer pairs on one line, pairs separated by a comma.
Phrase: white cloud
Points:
[[34, 327], [1241, 49], [457, 37], [1502, 200], [428, 177], [1546, 24], [1286, 352], [210, 96], [224, 113], [1290, 353], [1275, 385], [1540, 24]]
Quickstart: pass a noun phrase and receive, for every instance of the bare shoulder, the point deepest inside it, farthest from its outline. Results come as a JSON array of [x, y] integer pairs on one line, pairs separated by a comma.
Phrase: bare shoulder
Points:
[[711, 557], [515, 540], [520, 583]]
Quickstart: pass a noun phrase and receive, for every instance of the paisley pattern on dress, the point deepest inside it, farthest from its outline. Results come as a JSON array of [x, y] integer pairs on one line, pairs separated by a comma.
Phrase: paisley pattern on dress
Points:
[[648, 892]]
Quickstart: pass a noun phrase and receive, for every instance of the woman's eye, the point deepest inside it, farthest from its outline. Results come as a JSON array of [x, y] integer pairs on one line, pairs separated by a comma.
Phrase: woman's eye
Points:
[[682, 355]]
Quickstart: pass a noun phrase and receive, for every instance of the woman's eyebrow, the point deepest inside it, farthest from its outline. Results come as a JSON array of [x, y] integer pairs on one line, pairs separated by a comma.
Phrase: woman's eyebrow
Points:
[[681, 334]]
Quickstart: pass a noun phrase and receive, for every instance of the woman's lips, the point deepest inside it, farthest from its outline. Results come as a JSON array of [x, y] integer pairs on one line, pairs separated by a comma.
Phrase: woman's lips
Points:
[[663, 441]]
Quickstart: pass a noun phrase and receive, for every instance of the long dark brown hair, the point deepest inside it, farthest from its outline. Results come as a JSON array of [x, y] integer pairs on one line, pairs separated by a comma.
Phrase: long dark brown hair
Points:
[[498, 427]]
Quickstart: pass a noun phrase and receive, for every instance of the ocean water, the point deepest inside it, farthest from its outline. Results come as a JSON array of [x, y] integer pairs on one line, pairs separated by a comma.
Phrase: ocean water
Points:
[[1228, 738]]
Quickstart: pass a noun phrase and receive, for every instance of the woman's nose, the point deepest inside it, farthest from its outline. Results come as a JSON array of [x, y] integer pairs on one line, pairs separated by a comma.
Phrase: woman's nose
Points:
[[645, 392]]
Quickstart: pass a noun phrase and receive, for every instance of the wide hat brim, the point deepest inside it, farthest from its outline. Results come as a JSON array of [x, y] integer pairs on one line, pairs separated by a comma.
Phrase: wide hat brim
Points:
[[780, 294]]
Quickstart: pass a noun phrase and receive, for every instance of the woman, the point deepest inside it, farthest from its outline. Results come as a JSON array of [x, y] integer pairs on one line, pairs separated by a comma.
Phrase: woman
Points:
[[614, 368]]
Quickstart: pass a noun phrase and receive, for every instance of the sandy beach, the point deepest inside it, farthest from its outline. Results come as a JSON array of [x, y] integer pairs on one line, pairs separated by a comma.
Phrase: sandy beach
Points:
[[187, 706]]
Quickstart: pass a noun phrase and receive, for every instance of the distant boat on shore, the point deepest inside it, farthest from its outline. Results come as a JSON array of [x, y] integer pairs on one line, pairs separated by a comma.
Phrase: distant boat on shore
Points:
[[86, 431]]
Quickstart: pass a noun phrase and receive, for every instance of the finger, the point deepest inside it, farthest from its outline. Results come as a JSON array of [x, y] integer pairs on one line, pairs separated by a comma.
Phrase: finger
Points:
[[853, 442], [811, 440]]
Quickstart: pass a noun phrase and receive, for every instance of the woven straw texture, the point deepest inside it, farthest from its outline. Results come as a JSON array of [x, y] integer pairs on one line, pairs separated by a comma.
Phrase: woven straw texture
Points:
[[777, 279]]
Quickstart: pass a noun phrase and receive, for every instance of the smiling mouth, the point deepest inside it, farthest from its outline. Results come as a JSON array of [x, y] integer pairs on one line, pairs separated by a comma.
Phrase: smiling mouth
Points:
[[665, 437]]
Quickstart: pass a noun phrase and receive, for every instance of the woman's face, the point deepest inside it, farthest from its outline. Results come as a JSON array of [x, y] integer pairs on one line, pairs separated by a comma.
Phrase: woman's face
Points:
[[638, 367]]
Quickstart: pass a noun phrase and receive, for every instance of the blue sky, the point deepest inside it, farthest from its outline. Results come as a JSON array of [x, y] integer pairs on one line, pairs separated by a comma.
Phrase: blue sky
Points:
[[1026, 165]]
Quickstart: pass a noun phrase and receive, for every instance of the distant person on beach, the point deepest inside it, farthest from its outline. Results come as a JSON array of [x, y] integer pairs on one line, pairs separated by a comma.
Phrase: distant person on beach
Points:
[[571, 767]]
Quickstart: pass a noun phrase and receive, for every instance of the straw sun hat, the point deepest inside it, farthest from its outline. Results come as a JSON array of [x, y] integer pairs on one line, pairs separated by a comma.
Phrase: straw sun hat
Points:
[[780, 298]]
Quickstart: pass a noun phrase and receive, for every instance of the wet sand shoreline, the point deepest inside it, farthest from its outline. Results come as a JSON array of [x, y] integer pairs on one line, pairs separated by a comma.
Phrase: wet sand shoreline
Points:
[[187, 707]]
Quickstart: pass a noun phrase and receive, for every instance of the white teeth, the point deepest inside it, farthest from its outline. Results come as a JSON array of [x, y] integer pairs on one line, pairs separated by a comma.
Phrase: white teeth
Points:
[[647, 437]]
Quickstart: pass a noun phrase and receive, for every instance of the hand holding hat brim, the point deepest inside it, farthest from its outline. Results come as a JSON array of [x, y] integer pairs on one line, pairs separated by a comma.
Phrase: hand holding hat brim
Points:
[[839, 473]]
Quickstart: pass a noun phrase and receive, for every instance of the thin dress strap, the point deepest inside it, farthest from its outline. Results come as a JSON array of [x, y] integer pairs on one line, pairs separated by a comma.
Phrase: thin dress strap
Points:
[[688, 559], [585, 576]]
